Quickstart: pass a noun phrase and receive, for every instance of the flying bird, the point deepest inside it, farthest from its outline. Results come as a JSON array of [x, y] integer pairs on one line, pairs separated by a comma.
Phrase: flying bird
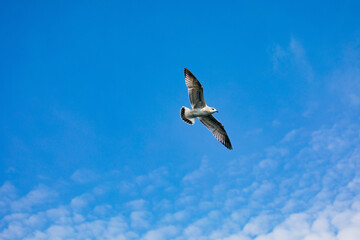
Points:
[[201, 110]]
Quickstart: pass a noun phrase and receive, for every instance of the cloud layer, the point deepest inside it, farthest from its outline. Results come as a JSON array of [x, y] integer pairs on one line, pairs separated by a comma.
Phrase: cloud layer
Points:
[[311, 192]]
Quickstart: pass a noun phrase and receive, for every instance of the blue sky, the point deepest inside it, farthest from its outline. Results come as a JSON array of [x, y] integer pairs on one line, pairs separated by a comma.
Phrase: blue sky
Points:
[[93, 147]]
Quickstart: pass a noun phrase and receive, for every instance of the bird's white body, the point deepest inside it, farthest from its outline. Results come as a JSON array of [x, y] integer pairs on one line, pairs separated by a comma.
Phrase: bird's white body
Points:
[[199, 112]]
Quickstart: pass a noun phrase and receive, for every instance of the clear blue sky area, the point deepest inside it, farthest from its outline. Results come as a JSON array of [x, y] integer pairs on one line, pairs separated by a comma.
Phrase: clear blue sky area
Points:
[[91, 141]]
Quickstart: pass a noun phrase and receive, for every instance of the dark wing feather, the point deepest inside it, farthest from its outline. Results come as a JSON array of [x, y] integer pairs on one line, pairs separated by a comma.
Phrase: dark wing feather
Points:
[[195, 89], [217, 129]]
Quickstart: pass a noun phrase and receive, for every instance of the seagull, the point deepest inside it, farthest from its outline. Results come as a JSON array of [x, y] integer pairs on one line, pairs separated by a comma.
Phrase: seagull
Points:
[[201, 110]]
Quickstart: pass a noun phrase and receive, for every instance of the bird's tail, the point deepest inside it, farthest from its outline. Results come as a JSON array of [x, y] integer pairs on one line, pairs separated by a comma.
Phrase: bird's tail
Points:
[[183, 113]]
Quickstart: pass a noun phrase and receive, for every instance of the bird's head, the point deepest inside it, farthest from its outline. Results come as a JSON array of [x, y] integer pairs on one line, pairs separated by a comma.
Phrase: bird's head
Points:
[[213, 110]]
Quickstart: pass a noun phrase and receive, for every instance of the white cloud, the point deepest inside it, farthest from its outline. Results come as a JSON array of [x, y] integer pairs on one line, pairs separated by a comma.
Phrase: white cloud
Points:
[[186, 200], [330, 140], [60, 215], [292, 57], [102, 210], [267, 164], [290, 135], [138, 204], [276, 151], [7, 190], [116, 228], [161, 233], [258, 225], [300, 58], [7, 194], [334, 222], [83, 176], [152, 181], [80, 202], [126, 187], [310, 193], [58, 232], [197, 174], [238, 236], [140, 219], [264, 188], [14, 230], [192, 232], [40, 195], [345, 85], [179, 216]]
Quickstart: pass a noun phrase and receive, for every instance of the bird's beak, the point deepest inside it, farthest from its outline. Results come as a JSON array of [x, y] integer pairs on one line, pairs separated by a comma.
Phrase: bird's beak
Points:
[[216, 111]]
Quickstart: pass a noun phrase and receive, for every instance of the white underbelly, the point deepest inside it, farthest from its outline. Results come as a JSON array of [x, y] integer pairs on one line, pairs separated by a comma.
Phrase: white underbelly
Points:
[[193, 113]]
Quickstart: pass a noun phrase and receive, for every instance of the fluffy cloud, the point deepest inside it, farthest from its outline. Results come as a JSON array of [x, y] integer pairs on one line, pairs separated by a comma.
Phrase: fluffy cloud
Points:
[[83, 176], [40, 195], [309, 192], [292, 57]]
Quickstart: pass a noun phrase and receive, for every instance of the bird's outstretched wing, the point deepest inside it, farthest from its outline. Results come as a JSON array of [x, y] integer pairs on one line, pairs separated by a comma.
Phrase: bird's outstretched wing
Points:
[[195, 89], [217, 129]]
